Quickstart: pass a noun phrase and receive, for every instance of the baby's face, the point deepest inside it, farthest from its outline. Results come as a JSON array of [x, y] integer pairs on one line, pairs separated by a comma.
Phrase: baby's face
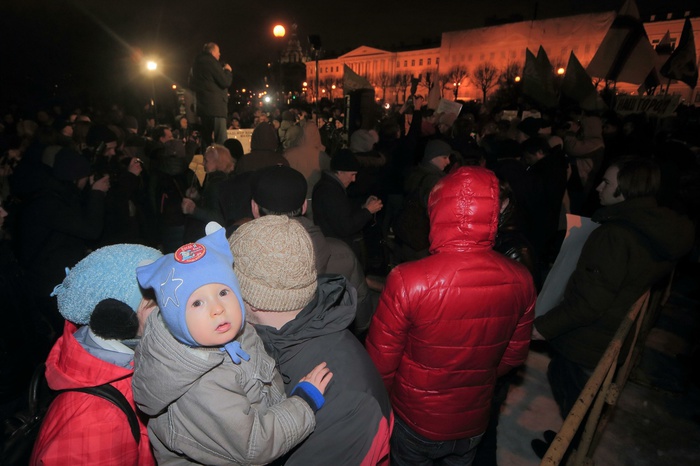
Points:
[[213, 315]]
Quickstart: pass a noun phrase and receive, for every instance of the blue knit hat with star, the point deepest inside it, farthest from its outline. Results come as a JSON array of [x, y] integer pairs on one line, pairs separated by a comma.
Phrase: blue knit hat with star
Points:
[[174, 277]]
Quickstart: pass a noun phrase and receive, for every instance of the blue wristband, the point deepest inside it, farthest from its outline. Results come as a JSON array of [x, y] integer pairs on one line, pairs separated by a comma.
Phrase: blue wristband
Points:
[[309, 393]]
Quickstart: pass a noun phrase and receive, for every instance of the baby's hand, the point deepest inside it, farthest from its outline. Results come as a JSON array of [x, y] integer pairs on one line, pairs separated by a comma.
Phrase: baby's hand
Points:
[[319, 377]]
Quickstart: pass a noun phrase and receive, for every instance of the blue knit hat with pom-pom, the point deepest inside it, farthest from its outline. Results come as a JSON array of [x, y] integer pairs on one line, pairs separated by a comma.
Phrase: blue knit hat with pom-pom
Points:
[[108, 272]]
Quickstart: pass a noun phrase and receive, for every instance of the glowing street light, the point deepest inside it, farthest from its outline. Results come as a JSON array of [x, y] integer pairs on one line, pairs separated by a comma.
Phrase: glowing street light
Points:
[[560, 71], [517, 79], [151, 65], [279, 31]]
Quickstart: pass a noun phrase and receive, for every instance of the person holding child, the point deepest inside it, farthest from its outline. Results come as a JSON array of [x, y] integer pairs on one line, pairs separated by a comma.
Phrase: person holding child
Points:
[[104, 310], [202, 374]]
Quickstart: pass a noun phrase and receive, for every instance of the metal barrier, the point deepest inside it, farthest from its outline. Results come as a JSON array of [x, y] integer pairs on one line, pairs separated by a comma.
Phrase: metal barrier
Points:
[[600, 390]]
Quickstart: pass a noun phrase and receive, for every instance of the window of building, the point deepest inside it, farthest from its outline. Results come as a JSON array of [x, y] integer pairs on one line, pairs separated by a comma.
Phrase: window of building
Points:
[[437, 61], [398, 64], [429, 60], [420, 62], [405, 63], [482, 56], [413, 62], [470, 57], [492, 55], [503, 54]]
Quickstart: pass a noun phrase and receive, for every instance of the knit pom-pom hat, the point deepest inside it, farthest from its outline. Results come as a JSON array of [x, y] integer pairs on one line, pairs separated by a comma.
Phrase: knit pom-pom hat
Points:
[[109, 272]]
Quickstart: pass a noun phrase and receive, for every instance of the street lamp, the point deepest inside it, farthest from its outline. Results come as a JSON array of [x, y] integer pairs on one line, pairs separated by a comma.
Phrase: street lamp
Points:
[[561, 71], [315, 41], [151, 67], [279, 32]]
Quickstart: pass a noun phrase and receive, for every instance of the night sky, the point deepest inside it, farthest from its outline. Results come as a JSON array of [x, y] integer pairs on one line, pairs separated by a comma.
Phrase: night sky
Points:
[[89, 47]]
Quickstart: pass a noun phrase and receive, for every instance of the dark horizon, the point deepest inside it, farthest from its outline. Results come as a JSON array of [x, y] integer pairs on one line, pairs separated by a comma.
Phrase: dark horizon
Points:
[[85, 49]]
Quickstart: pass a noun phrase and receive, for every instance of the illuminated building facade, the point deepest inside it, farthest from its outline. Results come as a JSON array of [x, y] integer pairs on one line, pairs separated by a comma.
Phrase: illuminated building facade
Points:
[[501, 46]]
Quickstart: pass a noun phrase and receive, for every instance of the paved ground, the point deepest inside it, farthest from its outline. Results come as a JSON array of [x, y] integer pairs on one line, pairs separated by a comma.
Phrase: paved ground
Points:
[[657, 419]]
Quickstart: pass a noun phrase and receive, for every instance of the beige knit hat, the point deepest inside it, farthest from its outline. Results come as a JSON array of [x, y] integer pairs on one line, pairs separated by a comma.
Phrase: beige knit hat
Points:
[[273, 257]]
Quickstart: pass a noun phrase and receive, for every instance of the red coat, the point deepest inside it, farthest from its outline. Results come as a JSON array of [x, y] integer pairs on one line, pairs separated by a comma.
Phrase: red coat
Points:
[[448, 325], [80, 428]]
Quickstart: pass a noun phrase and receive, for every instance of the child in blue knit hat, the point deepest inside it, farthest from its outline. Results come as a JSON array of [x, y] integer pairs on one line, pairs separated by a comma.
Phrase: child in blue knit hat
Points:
[[202, 373]]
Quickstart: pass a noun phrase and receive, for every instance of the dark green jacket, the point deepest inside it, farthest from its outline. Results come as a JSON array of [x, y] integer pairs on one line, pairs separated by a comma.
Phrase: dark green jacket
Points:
[[636, 245]]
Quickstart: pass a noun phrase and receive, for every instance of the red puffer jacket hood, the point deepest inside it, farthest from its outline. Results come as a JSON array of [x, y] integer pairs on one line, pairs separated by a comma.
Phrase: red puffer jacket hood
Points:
[[469, 223]]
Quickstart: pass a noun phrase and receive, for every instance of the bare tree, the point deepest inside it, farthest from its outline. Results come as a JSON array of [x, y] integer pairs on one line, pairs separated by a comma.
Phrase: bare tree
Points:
[[511, 71], [454, 79], [327, 84], [485, 77], [428, 77], [403, 82], [384, 80]]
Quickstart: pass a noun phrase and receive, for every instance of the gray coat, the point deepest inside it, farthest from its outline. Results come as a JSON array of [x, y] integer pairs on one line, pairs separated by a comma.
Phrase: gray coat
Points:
[[206, 409]]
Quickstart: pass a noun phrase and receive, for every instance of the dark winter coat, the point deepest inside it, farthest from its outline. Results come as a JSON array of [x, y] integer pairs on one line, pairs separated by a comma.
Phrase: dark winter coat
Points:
[[264, 144], [636, 245], [334, 212], [210, 82], [55, 230], [355, 423]]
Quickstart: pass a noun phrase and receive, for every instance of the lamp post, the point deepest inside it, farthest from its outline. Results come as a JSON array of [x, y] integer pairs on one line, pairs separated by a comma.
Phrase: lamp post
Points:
[[315, 41], [151, 67], [279, 32]]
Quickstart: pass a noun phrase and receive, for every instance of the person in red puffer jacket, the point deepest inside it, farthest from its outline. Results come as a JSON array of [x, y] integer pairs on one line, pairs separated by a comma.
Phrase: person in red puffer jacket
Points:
[[448, 325]]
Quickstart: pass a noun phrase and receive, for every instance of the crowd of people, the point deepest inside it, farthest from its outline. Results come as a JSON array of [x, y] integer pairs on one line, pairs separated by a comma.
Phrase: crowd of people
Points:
[[231, 295]]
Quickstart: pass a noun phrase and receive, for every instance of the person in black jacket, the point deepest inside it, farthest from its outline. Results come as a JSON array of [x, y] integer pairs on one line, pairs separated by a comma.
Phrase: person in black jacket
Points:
[[210, 82], [334, 212], [56, 226]]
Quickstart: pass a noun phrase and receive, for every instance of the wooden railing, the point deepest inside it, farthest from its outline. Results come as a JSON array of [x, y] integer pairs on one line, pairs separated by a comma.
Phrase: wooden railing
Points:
[[600, 390]]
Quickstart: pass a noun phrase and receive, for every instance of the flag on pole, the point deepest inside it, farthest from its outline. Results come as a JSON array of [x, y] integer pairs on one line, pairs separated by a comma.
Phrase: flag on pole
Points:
[[682, 64], [545, 68], [536, 85], [353, 81], [663, 51], [625, 55], [664, 48], [578, 87], [650, 84]]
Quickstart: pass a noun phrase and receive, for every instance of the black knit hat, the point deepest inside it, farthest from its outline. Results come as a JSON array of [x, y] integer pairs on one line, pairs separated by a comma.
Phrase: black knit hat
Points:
[[345, 161], [279, 188], [69, 165]]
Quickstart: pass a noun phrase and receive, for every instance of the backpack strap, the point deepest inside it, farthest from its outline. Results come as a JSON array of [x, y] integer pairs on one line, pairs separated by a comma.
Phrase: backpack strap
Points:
[[114, 396]]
